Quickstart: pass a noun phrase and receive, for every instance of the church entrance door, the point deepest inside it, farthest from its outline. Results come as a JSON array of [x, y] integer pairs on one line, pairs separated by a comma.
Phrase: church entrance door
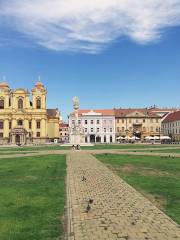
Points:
[[18, 139]]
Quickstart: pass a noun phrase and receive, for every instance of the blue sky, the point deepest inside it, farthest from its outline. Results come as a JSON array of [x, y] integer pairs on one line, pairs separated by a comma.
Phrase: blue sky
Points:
[[109, 61]]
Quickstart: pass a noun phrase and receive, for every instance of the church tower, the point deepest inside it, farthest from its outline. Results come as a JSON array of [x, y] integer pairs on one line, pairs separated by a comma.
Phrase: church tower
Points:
[[5, 96], [39, 96]]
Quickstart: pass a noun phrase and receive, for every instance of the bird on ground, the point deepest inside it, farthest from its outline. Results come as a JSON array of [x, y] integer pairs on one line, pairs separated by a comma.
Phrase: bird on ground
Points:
[[83, 178], [88, 208], [91, 201]]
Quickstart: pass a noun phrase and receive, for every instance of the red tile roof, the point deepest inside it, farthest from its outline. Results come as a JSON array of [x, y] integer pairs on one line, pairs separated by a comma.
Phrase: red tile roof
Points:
[[172, 117], [52, 113], [104, 112], [63, 125], [123, 112]]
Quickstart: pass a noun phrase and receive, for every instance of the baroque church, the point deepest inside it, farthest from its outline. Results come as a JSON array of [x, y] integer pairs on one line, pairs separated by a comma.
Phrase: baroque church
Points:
[[24, 118]]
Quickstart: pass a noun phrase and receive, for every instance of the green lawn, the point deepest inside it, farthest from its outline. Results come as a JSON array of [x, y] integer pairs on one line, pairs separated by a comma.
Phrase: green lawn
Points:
[[126, 146], [32, 197], [170, 150], [98, 146], [158, 178], [34, 148], [14, 152]]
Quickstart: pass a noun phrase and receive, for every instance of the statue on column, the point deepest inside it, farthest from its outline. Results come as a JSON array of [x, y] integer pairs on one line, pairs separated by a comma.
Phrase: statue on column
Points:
[[76, 103], [76, 131]]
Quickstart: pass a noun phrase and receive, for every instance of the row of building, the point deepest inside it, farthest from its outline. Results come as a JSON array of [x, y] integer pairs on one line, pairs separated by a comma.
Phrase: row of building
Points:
[[106, 126], [25, 119]]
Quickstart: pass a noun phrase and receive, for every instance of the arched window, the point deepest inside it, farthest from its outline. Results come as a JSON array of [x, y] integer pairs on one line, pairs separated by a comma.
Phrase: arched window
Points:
[[38, 103], [20, 122], [9, 102], [1, 104], [20, 103], [1, 124]]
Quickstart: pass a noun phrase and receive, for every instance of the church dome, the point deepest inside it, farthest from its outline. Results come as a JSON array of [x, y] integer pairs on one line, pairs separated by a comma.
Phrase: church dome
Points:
[[39, 84], [4, 85], [39, 87]]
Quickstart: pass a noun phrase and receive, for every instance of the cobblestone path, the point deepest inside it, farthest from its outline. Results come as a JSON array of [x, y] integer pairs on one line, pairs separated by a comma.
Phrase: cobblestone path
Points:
[[118, 211]]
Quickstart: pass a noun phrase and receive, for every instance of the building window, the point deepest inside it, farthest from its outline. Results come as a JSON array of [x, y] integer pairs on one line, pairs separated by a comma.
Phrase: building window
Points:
[[86, 121], [157, 120], [92, 121], [85, 129], [9, 102], [144, 120], [97, 129], [98, 121], [117, 120], [1, 135], [38, 104], [10, 125], [79, 121], [38, 134], [111, 139], [20, 122], [73, 122], [30, 124], [1, 104], [104, 129], [110, 129], [20, 103], [104, 139], [92, 129], [122, 128], [136, 120], [38, 124], [1, 124], [122, 120]]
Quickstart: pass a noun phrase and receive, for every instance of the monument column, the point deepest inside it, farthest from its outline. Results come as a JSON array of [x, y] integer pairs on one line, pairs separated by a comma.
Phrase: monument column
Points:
[[77, 136]]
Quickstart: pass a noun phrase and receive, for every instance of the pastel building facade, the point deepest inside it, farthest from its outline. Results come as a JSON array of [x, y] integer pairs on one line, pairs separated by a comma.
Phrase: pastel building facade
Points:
[[24, 117], [171, 126], [139, 122], [98, 125]]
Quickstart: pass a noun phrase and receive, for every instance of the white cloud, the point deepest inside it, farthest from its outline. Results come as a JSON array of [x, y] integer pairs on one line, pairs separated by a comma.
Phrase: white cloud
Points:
[[89, 25]]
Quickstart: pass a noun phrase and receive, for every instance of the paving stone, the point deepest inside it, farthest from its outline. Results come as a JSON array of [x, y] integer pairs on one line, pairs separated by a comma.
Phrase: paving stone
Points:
[[118, 210]]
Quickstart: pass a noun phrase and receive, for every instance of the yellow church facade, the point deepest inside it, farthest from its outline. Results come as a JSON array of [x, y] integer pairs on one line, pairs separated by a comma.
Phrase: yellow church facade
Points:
[[24, 118]]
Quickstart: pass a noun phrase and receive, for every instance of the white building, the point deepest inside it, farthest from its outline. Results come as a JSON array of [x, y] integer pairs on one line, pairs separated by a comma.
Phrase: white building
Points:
[[98, 125], [171, 125]]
